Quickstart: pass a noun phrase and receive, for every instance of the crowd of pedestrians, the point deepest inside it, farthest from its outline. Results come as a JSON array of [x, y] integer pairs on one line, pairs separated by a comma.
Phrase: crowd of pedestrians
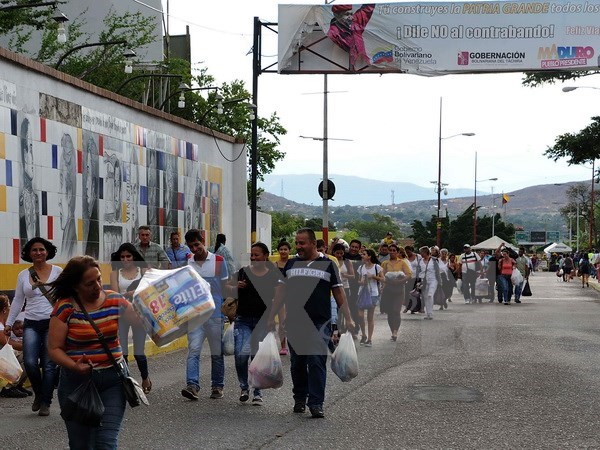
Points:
[[311, 294]]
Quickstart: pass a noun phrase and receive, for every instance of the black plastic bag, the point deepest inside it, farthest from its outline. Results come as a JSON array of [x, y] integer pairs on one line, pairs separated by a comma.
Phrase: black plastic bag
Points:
[[84, 405], [526, 290]]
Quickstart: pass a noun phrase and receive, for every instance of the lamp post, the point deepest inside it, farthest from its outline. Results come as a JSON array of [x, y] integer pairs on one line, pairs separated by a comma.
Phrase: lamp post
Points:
[[95, 44], [441, 185], [58, 16], [219, 107], [475, 200], [181, 90]]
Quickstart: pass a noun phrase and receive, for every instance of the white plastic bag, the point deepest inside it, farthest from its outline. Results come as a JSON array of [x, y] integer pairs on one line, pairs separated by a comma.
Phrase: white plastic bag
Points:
[[265, 371], [344, 360], [229, 340], [459, 285], [10, 369], [481, 287], [516, 277]]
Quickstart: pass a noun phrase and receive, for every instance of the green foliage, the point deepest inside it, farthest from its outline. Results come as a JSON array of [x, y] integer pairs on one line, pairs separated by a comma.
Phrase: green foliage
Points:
[[578, 147], [284, 226], [374, 229], [316, 224], [455, 233], [12, 20], [536, 79]]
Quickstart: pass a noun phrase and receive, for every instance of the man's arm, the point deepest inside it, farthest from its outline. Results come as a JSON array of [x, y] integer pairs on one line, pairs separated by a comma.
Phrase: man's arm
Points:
[[163, 259], [340, 299]]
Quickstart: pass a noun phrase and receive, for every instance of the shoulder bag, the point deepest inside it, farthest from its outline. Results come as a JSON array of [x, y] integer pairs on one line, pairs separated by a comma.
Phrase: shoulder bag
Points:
[[133, 391], [39, 284]]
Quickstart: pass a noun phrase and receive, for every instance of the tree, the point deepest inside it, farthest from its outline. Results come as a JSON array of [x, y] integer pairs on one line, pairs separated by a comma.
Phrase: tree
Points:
[[316, 224], [103, 67], [579, 200], [535, 79], [284, 226], [374, 229], [578, 147]]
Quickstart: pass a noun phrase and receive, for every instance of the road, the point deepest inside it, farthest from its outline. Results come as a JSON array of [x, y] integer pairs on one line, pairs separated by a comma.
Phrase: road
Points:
[[477, 376]]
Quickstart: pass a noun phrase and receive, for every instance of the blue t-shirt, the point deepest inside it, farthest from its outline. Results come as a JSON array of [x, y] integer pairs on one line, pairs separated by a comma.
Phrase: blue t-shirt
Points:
[[214, 270]]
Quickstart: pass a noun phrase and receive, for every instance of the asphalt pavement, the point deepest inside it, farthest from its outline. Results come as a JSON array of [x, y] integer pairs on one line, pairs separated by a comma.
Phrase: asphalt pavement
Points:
[[477, 376]]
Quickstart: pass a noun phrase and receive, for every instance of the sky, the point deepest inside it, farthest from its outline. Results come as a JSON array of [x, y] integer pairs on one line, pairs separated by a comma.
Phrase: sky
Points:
[[392, 121]]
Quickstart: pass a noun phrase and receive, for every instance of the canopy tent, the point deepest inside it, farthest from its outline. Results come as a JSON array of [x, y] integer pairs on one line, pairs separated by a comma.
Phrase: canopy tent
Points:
[[492, 244], [558, 247]]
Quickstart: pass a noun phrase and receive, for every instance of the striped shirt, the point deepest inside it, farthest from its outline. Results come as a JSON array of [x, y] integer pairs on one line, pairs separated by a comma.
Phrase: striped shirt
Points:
[[81, 337]]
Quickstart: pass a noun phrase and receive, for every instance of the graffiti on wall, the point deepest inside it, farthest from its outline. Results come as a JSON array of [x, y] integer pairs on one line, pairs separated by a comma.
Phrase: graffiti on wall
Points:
[[86, 180]]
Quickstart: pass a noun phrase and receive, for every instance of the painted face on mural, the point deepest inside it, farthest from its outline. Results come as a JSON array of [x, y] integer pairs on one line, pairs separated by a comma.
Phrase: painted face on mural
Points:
[[66, 202]]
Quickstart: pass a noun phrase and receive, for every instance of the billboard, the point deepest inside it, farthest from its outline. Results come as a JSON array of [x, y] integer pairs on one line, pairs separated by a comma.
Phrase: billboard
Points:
[[538, 237], [438, 38]]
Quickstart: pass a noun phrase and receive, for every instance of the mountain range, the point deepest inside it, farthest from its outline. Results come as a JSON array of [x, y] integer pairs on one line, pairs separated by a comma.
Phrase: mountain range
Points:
[[351, 190]]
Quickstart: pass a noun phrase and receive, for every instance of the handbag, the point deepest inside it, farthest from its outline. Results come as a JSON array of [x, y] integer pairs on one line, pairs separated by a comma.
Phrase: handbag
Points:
[[526, 290], [133, 391], [84, 405], [229, 307]]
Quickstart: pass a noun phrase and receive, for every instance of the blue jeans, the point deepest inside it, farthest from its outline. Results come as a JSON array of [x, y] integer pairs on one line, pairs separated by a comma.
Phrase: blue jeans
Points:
[[246, 346], [212, 330], [35, 357], [519, 289], [111, 392], [139, 343], [309, 372], [506, 287]]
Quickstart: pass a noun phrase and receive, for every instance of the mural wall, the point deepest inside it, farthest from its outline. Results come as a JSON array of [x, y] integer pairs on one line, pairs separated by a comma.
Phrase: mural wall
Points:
[[86, 180]]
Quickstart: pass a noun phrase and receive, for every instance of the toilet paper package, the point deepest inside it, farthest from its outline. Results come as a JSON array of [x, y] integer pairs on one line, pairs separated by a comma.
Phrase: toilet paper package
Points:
[[169, 302]]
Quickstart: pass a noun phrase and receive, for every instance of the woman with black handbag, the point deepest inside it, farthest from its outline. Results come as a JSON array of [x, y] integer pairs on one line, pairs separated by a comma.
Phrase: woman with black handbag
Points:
[[82, 307]]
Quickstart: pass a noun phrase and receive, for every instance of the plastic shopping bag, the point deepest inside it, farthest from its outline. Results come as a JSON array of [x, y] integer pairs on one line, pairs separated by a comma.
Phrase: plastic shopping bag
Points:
[[516, 277], [169, 302], [84, 405], [459, 285], [229, 340], [344, 360], [364, 300], [10, 369], [265, 371], [481, 287]]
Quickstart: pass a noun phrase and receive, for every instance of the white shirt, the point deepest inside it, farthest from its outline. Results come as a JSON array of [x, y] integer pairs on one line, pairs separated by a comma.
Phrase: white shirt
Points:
[[38, 307], [373, 284]]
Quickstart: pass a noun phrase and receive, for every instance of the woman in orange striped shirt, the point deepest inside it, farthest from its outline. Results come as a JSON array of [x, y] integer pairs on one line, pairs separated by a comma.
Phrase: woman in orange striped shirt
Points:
[[74, 345]]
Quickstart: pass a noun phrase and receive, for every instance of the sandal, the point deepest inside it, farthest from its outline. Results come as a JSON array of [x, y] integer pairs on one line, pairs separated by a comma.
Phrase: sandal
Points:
[[146, 385]]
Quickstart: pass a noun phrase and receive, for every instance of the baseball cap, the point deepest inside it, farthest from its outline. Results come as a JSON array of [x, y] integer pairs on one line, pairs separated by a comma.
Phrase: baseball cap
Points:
[[467, 246]]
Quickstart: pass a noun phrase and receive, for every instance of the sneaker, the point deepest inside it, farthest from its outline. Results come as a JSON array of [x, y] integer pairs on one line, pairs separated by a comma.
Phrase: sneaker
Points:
[[517, 301], [37, 402], [299, 406], [216, 393], [506, 303], [257, 400], [44, 410], [244, 395], [368, 344], [363, 340], [190, 392], [467, 301], [12, 392], [317, 412], [428, 318], [284, 351]]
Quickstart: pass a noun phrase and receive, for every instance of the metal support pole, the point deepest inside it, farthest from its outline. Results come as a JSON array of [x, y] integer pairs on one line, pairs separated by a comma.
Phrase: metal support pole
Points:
[[591, 240], [438, 232], [254, 144], [475, 205], [325, 166]]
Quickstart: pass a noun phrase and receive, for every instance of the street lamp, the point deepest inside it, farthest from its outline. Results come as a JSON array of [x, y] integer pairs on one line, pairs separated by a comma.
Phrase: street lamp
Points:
[[441, 185], [572, 88], [182, 89], [475, 200], [220, 104], [95, 44], [58, 16]]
